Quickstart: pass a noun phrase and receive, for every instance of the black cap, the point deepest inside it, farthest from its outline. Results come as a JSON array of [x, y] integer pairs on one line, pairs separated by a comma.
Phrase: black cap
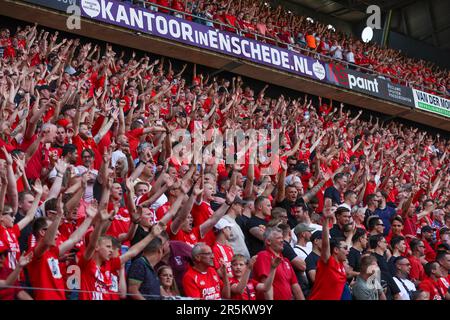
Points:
[[316, 235], [443, 247], [43, 87], [426, 229]]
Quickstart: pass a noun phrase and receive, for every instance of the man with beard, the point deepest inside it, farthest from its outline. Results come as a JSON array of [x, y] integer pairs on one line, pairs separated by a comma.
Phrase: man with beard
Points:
[[69, 156]]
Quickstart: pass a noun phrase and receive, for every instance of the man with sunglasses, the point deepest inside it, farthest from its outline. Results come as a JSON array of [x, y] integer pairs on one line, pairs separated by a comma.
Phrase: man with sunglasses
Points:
[[202, 280], [402, 270], [379, 246]]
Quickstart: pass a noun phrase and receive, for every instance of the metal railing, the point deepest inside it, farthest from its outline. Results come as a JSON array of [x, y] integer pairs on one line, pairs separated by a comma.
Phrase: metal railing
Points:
[[181, 14]]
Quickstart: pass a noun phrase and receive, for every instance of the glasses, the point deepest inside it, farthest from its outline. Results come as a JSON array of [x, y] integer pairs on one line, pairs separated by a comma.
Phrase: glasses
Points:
[[8, 213]]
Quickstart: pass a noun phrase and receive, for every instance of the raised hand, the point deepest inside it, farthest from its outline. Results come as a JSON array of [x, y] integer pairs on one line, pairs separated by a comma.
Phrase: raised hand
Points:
[[275, 262], [8, 158], [92, 209], [37, 187], [25, 259]]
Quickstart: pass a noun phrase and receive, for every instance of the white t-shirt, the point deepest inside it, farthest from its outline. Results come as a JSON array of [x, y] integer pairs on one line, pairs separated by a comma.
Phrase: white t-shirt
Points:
[[350, 57], [303, 252], [237, 240], [338, 53], [403, 293]]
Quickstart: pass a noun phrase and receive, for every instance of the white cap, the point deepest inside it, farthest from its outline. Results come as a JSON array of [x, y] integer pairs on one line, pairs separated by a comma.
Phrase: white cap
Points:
[[222, 223]]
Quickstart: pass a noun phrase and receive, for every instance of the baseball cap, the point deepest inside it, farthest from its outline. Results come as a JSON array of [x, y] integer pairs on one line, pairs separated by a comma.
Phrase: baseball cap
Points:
[[238, 200], [222, 223], [302, 227], [316, 235], [443, 247], [427, 229]]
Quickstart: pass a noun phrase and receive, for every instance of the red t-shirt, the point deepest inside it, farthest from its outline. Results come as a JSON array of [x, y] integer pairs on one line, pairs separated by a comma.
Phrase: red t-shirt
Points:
[[190, 238], [201, 213], [417, 272], [120, 224], [249, 292], [330, 280], [44, 272], [225, 253], [133, 140], [9, 237], [436, 289], [284, 275], [204, 285], [39, 160], [8, 293], [161, 211], [96, 279]]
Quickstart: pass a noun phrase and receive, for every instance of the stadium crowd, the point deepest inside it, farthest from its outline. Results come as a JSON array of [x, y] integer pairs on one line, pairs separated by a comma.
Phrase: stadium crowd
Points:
[[281, 27], [98, 203]]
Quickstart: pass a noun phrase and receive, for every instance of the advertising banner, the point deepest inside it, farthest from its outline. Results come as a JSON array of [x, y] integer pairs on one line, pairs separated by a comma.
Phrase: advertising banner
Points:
[[368, 84], [169, 27], [431, 103]]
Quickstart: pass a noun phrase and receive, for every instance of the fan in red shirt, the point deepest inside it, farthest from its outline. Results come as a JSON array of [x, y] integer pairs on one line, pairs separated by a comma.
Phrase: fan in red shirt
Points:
[[9, 277], [285, 285], [44, 270], [417, 273], [432, 283], [330, 276], [241, 286], [223, 253], [202, 280], [201, 211], [182, 228], [97, 264]]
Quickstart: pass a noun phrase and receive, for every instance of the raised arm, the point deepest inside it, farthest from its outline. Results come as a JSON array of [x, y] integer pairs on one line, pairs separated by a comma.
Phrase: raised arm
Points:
[[206, 226], [325, 253], [75, 237], [138, 247], [11, 190], [30, 213], [50, 234]]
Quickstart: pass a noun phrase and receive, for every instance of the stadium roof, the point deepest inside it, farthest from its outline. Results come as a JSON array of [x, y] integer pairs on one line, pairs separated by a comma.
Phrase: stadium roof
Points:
[[423, 20]]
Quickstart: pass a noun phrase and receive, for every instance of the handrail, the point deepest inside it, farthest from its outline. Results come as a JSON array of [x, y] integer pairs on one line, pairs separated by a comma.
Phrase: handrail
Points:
[[289, 46]]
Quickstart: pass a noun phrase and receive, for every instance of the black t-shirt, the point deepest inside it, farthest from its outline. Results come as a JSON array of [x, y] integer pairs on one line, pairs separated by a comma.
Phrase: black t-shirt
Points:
[[242, 223], [333, 194], [290, 254], [353, 258], [24, 233], [286, 204], [336, 232], [392, 288], [311, 264], [254, 244], [138, 236]]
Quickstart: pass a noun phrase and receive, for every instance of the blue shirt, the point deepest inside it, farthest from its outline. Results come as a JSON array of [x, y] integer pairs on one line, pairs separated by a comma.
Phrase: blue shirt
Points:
[[141, 271], [386, 215]]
